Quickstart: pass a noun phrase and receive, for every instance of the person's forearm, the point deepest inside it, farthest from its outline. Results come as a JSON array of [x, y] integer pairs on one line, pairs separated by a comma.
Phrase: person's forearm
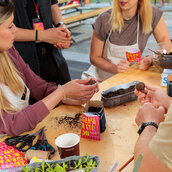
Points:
[[56, 14], [149, 161], [53, 99], [29, 35], [103, 64], [70, 101], [23, 35], [143, 141]]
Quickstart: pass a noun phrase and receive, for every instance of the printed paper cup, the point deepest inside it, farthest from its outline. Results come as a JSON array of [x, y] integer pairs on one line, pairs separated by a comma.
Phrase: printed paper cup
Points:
[[68, 145], [133, 55]]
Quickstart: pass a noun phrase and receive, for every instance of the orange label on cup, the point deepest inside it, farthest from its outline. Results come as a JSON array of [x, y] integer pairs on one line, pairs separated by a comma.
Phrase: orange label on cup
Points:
[[133, 56]]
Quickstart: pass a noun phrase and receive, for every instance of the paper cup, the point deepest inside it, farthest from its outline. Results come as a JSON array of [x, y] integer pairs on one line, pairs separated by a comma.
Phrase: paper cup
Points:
[[133, 55], [68, 145]]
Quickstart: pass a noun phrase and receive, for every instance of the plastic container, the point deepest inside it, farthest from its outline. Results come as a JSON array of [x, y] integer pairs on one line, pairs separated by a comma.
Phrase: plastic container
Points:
[[162, 59], [120, 99], [169, 85], [164, 76], [66, 160]]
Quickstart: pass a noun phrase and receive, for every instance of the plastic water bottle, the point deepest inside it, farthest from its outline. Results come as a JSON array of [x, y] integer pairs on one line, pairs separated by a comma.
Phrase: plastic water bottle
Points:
[[164, 76]]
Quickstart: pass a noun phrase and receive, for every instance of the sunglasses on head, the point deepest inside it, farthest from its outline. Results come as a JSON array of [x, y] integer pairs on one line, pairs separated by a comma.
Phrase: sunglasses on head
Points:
[[3, 2]]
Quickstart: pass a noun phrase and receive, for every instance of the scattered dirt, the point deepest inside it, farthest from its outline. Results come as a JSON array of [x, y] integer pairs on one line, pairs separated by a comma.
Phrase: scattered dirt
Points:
[[119, 92], [70, 121], [140, 86]]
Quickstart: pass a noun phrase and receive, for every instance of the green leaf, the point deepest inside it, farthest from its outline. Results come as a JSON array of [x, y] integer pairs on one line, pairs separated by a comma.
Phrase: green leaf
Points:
[[58, 168], [43, 166], [26, 169], [94, 164], [64, 166], [89, 164], [80, 161], [86, 158]]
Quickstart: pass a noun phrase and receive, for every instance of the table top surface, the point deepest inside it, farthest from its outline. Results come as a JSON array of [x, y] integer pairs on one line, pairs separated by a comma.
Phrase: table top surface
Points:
[[118, 140]]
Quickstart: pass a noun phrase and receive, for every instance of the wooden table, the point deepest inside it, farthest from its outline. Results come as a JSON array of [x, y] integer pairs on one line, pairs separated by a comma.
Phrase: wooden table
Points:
[[118, 140]]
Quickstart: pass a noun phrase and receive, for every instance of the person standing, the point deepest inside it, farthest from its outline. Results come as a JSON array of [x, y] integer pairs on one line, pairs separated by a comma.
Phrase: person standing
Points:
[[38, 42]]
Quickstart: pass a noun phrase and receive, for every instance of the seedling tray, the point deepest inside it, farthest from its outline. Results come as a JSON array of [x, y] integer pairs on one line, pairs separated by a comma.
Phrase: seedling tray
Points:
[[67, 160], [115, 100]]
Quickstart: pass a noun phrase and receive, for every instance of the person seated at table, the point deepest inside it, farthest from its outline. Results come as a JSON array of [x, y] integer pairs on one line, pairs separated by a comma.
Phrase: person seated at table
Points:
[[154, 144], [18, 82], [127, 26]]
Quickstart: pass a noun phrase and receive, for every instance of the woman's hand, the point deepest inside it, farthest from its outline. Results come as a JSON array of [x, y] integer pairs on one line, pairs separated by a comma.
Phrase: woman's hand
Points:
[[55, 36], [145, 63], [80, 89], [122, 66], [64, 45], [154, 95]]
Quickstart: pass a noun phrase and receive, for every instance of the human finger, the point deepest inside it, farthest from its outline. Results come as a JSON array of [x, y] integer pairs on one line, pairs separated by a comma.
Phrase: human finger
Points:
[[152, 88], [161, 110]]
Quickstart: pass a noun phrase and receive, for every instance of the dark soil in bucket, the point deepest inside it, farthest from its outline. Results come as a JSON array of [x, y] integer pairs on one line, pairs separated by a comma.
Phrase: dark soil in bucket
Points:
[[94, 109], [119, 92]]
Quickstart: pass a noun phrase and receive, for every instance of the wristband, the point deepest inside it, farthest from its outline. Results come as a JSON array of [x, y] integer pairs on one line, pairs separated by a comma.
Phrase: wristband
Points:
[[142, 127], [58, 24], [36, 36]]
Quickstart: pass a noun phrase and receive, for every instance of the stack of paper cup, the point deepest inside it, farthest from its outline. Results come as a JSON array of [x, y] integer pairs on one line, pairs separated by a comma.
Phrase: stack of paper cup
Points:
[[133, 55]]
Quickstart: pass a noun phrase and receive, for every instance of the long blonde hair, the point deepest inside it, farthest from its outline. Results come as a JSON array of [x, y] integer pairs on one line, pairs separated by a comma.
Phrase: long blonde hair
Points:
[[8, 72], [145, 9]]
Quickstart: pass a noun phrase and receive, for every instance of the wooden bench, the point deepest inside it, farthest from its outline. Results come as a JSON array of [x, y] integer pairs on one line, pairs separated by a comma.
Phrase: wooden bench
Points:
[[62, 1], [70, 6], [86, 15]]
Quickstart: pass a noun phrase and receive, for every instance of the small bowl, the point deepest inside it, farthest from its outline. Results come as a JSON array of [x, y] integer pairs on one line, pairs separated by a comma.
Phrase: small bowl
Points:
[[162, 59]]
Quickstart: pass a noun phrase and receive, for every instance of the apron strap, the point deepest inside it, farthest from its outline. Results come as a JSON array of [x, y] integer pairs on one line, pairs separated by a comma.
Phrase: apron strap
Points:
[[138, 24]]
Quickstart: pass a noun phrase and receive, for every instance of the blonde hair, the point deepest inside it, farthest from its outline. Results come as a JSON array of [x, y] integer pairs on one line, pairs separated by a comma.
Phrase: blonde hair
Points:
[[9, 77], [8, 72], [145, 9]]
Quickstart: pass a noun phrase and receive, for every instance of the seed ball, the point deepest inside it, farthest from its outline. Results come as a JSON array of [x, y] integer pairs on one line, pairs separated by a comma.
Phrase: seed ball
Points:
[[140, 86], [91, 82]]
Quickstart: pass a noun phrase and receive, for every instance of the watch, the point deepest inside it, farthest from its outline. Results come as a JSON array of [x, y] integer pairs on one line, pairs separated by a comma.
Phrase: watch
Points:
[[58, 24], [143, 125]]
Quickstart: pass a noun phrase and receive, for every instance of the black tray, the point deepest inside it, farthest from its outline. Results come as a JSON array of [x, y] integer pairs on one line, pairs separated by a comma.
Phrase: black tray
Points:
[[120, 99]]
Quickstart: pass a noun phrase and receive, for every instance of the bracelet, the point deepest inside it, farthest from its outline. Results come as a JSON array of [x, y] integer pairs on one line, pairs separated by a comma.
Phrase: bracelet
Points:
[[64, 96], [36, 37], [58, 24], [142, 127]]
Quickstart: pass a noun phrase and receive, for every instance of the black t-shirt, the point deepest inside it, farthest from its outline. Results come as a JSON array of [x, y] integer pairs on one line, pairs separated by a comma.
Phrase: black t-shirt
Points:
[[31, 10]]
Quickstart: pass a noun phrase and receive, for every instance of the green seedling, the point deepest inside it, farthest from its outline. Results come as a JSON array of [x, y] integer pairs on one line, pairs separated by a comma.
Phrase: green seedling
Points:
[[80, 164]]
